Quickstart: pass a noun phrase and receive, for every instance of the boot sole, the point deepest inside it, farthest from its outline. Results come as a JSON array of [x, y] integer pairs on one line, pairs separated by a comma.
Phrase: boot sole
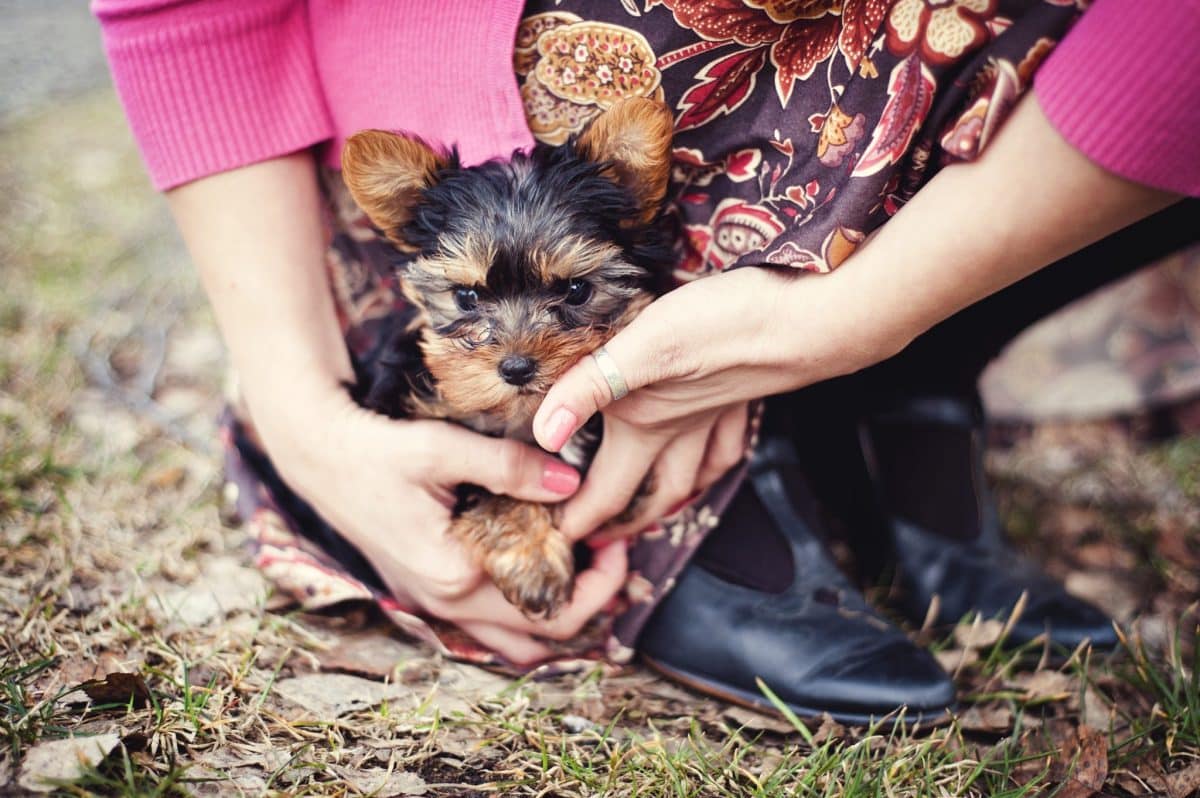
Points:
[[755, 701]]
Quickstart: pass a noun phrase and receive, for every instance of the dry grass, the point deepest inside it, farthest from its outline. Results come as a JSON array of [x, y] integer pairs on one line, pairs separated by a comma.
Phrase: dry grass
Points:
[[113, 560]]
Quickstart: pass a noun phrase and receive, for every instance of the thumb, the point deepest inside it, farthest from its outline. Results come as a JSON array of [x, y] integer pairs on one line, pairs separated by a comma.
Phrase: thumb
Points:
[[501, 465], [584, 389]]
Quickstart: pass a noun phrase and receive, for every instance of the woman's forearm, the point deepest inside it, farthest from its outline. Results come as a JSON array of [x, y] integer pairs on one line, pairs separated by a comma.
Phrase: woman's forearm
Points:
[[256, 237], [978, 227]]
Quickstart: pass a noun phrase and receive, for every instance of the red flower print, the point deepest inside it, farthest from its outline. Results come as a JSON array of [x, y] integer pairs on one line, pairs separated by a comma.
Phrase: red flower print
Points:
[[942, 31], [798, 35], [910, 96], [724, 85]]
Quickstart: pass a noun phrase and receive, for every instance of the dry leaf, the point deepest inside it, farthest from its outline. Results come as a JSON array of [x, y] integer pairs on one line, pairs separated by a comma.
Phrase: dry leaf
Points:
[[1105, 592], [379, 783], [989, 718], [118, 688], [369, 654], [758, 720], [829, 729], [982, 634], [954, 659], [1046, 685], [325, 696], [63, 760], [225, 586], [1183, 783], [1082, 766]]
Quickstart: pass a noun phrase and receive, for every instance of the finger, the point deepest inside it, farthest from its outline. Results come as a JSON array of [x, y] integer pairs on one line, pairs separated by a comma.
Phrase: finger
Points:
[[674, 481], [518, 648], [636, 352], [726, 445], [594, 589], [502, 465], [622, 462]]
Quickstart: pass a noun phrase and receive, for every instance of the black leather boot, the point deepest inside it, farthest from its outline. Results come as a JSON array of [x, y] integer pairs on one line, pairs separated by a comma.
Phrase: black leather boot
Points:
[[812, 638], [943, 532]]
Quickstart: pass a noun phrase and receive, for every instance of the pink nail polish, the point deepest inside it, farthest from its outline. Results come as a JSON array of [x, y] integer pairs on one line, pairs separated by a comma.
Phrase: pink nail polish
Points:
[[562, 424], [560, 478]]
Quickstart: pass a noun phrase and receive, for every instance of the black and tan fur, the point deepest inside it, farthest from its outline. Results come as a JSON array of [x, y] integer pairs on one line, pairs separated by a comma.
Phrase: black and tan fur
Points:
[[516, 270]]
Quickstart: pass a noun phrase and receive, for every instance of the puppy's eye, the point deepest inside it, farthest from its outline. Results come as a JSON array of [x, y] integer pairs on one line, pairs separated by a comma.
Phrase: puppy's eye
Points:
[[467, 299], [578, 292]]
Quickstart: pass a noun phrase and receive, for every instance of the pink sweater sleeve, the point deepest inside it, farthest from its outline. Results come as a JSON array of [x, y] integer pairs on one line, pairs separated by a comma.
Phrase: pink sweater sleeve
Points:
[[1123, 87], [211, 85]]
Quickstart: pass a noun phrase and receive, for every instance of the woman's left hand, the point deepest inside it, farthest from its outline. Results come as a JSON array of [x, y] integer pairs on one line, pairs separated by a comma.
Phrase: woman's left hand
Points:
[[692, 362]]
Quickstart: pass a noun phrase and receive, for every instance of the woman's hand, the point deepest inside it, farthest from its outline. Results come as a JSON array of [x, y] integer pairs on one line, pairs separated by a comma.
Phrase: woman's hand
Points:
[[387, 486], [974, 229], [255, 235], [692, 361]]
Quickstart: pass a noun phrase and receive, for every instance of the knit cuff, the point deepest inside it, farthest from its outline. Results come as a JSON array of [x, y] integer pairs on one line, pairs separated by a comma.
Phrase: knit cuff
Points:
[[210, 86], [1122, 89]]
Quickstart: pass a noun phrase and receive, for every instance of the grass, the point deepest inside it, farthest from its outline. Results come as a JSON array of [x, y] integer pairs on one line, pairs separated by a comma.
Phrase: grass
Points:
[[108, 513]]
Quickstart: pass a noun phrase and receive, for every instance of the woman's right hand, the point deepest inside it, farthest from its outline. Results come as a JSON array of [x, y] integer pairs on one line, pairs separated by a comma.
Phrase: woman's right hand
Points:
[[256, 236], [388, 487]]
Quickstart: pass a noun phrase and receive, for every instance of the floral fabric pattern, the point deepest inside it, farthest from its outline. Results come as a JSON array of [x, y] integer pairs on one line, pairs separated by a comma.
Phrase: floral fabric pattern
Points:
[[801, 126]]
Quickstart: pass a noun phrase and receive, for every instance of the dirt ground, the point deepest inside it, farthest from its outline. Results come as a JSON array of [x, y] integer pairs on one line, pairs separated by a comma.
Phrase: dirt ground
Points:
[[140, 655]]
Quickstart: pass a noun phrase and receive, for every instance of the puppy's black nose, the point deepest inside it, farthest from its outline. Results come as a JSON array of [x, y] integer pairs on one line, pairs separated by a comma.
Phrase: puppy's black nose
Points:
[[517, 369]]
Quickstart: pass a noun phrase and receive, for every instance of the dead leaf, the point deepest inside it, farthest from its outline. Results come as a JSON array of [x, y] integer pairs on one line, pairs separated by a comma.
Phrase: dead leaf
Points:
[[1046, 685], [991, 718], [118, 688], [63, 760], [166, 478], [1082, 765], [953, 660], [760, 721], [325, 696], [1096, 711], [829, 729], [379, 783], [225, 586], [1105, 591], [461, 687], [981, 634], [371, 654], [1183, 783]]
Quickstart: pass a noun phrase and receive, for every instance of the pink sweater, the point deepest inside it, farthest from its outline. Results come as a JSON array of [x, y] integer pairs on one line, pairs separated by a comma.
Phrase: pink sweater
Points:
[[215, 84]]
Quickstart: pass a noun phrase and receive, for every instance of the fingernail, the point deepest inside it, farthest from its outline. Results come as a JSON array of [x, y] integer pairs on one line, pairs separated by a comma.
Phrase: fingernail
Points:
[[559, 477], [562, 423]]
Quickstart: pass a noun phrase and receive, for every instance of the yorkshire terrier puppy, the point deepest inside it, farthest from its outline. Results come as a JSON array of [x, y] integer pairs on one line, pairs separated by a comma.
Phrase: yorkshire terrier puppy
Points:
[[515, 270]]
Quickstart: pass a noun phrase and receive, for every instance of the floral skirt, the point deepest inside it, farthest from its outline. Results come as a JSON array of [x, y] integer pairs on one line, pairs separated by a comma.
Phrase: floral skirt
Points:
[[801, 126]]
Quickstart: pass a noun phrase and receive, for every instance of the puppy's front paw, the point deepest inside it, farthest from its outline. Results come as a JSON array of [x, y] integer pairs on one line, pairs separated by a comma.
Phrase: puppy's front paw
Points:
[[518, 546], [535, 575]]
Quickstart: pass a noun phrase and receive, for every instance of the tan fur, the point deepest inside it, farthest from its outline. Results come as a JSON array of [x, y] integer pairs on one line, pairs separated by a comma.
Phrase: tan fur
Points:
[[515, 542], [572, 257], [463, 261], [635, 134], [518, 546], [385, 173], [469, 382]]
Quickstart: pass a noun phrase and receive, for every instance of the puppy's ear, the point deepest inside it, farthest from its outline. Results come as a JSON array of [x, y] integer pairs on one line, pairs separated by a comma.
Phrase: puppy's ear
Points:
[[635, 137], [386, 173]]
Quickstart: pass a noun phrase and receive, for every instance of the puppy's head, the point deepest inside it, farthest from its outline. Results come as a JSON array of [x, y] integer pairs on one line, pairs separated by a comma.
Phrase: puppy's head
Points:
[[521, 267]]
